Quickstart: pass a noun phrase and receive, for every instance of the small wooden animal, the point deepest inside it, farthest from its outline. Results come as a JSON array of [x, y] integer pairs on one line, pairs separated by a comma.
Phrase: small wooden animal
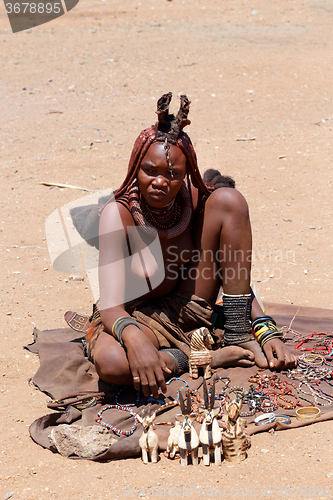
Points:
[[200, 355], [149, 440], [210, 435], [172, 446], [188, 441], [235, 440]]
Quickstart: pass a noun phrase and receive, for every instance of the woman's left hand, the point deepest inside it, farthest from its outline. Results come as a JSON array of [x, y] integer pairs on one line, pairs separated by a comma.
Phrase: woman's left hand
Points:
[[278, 355]]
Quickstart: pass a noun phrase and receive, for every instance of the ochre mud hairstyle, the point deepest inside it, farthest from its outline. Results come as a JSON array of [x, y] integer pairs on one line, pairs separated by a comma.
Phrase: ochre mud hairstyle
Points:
[[168, 127]]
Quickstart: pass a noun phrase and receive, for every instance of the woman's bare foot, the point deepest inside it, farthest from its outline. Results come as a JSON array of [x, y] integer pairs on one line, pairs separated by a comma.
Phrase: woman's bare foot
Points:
[[232, 356], [259, 356]]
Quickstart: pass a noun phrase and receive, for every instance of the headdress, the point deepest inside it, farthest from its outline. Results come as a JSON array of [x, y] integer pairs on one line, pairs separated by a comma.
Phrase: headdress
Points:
[[168, 127]]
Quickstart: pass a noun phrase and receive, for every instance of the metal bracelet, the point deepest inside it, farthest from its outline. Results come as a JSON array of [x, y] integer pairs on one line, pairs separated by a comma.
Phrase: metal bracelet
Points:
[[265, 419], [283, 419]]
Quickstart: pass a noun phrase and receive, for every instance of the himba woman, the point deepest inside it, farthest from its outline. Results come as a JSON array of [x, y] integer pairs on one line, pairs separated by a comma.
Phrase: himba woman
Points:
[[171, 240]]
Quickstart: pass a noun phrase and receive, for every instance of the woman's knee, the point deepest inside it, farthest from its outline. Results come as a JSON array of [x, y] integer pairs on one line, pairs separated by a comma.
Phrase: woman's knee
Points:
[[110, 361], [229, 201]]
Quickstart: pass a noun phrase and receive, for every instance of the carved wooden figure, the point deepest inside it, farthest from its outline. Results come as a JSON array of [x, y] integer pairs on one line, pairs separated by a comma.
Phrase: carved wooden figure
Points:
[[200, 355], [149, 440], [210, 435], [188, 440], [235, 440], [172, 447]]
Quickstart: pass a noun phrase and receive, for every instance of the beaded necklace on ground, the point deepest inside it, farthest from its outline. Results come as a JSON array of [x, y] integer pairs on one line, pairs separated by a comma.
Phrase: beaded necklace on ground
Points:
[[277, 390], [113, 428]]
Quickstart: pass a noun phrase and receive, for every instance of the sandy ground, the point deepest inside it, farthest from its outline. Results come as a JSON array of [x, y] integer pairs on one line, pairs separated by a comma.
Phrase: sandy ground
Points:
[[74, 94]]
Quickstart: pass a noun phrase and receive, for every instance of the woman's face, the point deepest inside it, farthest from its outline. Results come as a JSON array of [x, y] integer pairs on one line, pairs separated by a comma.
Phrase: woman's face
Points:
[[156, 184]]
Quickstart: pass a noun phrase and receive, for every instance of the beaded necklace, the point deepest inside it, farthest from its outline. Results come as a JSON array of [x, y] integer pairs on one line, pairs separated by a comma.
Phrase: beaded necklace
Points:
[[309, 373], [316, 394], [307, 339], [154, 216], [113, 428], [140, 220]]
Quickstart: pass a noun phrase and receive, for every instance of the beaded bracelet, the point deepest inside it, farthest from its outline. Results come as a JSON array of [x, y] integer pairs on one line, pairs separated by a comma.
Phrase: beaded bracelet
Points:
[[265, 329], [117, 431], [268, 407], [239, 391]]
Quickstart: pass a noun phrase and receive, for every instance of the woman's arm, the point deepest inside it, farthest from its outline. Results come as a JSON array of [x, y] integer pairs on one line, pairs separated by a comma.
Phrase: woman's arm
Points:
[[144, 360]]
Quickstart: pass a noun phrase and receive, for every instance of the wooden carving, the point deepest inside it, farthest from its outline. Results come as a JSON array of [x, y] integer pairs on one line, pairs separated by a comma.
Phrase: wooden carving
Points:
[[200, 355], [188, 441], [210, 434], [235, 440], [149, 440]]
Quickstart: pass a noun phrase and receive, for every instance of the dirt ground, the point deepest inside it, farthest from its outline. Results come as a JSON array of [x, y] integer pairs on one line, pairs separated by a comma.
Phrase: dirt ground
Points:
[[74, 95]]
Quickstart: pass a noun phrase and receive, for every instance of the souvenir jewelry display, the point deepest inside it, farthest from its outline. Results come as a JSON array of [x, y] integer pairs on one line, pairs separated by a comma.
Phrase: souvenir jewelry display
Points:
[[278, 391]]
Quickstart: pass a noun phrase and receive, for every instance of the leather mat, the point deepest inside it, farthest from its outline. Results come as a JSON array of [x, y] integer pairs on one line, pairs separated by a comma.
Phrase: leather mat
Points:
[[64, 370]]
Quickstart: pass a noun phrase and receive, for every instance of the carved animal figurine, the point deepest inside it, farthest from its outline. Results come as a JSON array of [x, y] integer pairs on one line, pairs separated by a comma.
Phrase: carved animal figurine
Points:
[[200, 356], [172, 446], [235, 440], [149, 440], [188, 440], [210, 435]]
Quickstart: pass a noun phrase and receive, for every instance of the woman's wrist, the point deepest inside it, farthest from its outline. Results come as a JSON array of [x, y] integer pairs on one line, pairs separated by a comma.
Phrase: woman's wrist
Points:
[[120, 324], [131, 334]]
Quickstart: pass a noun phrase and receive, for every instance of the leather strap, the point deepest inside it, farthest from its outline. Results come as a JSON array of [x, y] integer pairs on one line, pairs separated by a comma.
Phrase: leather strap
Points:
[[79, 400]]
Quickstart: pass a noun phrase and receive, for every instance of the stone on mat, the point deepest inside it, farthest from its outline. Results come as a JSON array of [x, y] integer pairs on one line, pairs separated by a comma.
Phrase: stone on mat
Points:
[[80, 440]]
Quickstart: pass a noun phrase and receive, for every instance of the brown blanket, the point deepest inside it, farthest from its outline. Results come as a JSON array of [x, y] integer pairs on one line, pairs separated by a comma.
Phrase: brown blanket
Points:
[[64, 370]]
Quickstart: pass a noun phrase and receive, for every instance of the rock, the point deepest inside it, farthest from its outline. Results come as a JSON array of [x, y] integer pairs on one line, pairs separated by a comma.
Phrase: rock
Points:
[[80, 440], [76, 277]]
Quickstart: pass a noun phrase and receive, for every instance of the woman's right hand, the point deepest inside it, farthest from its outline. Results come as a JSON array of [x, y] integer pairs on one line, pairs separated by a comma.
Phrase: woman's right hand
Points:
[[145, 362]]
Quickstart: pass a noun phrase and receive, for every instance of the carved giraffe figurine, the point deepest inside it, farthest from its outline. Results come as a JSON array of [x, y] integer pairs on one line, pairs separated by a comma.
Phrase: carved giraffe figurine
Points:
[[149, 440], [235, 440], [188, 440], [200, 355], [210, 435]]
